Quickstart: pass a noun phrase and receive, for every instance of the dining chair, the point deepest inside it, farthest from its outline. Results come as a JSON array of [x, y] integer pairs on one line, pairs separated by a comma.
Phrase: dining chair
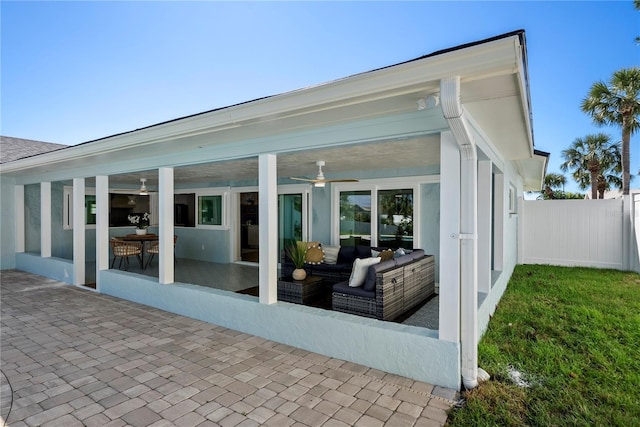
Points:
[[154, 248], [124, 250]]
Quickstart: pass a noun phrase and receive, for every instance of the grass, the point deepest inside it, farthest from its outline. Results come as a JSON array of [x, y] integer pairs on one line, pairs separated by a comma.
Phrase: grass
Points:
[[574, 336]]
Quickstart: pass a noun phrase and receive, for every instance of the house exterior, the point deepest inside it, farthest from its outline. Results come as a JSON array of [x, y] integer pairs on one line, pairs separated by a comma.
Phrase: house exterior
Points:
[[452, 129]]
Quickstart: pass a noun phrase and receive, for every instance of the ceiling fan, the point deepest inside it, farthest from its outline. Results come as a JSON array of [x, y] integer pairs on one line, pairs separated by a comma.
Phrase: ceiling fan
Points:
[[320, 180], [143, 187]]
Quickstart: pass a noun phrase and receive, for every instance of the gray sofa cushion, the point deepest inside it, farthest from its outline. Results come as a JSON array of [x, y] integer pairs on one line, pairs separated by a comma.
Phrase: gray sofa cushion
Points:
[[344, 288], [417, 253], [404, 259], [370, 282]]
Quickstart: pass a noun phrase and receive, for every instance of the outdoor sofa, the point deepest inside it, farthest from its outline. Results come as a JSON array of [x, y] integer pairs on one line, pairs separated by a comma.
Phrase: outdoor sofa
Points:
[[391, 288], [333, 272]]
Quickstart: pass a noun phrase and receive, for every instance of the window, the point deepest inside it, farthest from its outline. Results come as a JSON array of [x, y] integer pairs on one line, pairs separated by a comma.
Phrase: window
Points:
[[381, 212], [184, 206], [121, 206], [513, 205], [210, 210], [355, 218], [90, 209], [67, 208], [395, 218]]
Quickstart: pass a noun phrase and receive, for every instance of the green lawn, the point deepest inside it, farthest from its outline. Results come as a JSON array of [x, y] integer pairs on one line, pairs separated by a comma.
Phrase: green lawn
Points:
[[574, 336]]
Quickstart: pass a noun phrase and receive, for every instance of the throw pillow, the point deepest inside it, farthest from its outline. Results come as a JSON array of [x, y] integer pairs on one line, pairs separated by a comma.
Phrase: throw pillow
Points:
[[386, 255], [314, 255], [399, 252], [359, 272], [313, 245], [331, 254]]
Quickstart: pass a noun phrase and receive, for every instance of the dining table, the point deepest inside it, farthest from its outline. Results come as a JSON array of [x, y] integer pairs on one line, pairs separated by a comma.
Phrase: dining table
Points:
[[142, 238]]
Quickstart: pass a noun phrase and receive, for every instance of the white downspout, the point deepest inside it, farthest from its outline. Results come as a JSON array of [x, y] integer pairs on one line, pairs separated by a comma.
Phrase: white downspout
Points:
[[455, 116]]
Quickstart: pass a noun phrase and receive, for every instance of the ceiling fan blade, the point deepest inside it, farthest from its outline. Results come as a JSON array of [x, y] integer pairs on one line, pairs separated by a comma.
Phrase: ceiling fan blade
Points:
[[320, 180], [341, 180], [303, 179]]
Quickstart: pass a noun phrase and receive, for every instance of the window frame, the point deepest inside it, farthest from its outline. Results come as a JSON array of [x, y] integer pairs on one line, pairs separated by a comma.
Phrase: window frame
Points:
[[224, 194], [376, 185], [67, 207]]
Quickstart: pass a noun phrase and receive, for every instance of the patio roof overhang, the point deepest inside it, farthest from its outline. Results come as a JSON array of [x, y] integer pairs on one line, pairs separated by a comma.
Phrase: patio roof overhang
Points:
[[494, 89]]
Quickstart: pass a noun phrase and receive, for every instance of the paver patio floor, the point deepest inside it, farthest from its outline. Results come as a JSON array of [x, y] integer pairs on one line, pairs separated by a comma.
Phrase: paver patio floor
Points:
[[73, 357]]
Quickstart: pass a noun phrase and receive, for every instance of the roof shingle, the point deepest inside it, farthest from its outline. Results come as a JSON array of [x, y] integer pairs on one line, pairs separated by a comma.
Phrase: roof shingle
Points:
[[18, 148]]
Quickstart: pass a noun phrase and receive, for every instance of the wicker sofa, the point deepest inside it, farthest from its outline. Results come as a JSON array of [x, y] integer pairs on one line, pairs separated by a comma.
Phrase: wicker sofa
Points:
[[337, 272], [391, 288]]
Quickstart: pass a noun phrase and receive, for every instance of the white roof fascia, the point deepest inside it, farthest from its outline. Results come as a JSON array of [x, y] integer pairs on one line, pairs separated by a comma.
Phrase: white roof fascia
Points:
[[495, 57], [524, 92]]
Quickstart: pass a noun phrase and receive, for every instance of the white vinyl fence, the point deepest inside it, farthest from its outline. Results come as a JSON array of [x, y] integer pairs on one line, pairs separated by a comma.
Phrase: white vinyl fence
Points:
[[591, 233]]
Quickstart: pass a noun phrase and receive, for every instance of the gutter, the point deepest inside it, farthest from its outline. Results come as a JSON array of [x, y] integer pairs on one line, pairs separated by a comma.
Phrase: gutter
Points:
[[454, 114]]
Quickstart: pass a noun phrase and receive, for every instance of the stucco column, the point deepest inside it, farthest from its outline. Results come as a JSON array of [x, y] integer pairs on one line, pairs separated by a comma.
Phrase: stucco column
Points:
[[79, 222], [449, 328], [485, 200], [268, 216], [45, 219], [102, 226], [498, 221], [166, 231], [19, 220]]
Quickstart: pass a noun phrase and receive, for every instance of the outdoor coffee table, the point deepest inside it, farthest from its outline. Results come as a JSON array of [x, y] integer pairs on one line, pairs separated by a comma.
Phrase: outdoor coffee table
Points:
[[301, 291]]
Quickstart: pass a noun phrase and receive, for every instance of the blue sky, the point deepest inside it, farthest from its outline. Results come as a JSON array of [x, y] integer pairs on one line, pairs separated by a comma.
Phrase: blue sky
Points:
[[76, 71]]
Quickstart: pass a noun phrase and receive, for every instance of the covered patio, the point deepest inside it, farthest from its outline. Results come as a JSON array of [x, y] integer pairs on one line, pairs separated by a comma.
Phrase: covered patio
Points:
[[448, 132]]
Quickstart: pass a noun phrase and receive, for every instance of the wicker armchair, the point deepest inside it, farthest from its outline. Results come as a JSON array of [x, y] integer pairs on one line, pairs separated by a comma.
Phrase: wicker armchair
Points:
[[154, 248], [124, 250]]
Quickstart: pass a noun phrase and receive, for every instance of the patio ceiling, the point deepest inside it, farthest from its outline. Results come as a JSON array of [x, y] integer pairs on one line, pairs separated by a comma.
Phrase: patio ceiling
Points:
[[340, 161]]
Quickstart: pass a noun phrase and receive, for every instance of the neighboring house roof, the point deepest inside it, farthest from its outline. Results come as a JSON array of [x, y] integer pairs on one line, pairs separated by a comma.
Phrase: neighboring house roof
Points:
[[18, 148]]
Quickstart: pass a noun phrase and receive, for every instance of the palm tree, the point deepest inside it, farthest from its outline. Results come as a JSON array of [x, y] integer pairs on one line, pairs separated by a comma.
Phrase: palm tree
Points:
[[595, 162], [617, 104], [636, 4], [552, 182]]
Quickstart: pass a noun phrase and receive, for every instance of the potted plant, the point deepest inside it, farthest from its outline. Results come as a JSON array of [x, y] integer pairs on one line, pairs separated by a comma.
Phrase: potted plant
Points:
[[297, 251], [140, 221]]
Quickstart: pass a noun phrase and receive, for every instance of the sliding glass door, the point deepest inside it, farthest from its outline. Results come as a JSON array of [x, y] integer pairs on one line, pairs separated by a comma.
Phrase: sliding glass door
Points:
[[355, 218], [249, 227], [395, 218], [290, 220]]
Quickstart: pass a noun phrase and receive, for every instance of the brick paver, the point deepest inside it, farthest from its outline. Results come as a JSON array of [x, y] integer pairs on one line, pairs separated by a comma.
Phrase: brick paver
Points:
[[75, 357]]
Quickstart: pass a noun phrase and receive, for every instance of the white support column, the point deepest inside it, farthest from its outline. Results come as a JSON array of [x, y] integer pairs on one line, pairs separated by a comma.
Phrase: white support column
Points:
[[485, 201], [102, 226], [78, 232], [449, 329], [165, 226], [500, 195], [19, 206], [268, 219], [45, 219]]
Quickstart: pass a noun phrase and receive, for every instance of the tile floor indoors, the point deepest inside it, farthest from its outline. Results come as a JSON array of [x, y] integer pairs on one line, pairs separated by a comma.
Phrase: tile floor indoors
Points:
[[73, 357]]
